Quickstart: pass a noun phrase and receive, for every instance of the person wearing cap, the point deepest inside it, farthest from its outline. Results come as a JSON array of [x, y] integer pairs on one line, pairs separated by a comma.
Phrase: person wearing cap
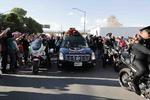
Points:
[[141, 54]]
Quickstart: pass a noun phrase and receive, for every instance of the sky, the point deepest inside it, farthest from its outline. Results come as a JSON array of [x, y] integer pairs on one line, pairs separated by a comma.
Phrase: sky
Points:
[[60, 15]]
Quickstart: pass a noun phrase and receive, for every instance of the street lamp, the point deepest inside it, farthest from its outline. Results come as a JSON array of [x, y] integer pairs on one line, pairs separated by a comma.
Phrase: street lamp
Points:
[[84, 12]]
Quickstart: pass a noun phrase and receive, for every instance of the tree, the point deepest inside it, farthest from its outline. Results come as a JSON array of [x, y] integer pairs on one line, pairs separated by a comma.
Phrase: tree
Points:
[[1, 20], [33, 26], [12, 20], [19, 11], [17, 21]]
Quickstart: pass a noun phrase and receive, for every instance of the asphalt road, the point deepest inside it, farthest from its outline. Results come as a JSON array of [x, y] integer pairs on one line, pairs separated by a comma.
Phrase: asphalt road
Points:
[[92, 84]]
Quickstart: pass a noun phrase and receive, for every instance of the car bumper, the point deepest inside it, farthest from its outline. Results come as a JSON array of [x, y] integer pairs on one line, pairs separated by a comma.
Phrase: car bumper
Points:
[[72, 64]]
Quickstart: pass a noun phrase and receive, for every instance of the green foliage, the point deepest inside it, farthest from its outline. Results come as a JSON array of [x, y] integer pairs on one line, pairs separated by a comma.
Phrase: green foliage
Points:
[[1, 19], [33, 26], [19, 11], [12, 20], [17, 21]]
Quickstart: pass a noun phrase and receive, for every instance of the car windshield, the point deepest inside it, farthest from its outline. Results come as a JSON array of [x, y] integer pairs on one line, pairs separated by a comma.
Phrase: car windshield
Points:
[[74, 41]]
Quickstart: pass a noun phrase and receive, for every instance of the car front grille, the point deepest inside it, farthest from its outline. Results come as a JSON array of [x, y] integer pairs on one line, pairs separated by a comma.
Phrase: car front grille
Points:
[[77, 57]]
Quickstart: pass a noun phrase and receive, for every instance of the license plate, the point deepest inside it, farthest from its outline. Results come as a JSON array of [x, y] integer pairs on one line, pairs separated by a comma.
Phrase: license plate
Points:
[[78, 64]]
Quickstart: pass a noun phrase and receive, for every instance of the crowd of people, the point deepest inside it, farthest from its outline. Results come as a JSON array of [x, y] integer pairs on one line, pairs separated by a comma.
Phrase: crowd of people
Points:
[[14, 49], [98, 43]]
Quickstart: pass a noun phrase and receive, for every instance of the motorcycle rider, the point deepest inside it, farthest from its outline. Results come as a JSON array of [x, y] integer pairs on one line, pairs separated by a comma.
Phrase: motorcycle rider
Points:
[[141, 53]]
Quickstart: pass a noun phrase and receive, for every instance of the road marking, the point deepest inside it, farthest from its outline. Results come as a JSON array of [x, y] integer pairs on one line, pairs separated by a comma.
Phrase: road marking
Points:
[[3, 95], [30, 90], [61, 77]]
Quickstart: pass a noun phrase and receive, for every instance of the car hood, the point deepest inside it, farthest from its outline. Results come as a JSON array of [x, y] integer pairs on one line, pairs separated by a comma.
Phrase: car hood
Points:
[[75, 50]]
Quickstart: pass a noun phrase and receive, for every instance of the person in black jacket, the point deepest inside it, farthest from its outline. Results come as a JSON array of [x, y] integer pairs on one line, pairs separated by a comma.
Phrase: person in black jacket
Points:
[[141, 54]]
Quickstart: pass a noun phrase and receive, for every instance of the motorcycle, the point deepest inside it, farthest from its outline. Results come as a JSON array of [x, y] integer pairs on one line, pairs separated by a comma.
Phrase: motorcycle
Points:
[[38, 56], [127, 73], [112, 56]]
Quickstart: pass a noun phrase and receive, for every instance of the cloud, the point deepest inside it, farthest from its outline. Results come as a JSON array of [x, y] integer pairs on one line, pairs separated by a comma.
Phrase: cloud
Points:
[[101, 22], [98, 22], [110, 21], [70, 13], [55, 26]]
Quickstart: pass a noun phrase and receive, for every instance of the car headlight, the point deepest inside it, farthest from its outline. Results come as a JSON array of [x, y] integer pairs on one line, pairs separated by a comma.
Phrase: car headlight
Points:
[[93, 56], [61, 56]]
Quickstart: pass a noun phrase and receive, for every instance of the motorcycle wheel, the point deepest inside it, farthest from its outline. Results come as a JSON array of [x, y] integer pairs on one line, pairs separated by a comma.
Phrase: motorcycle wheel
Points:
[[35, 67], [124, 75]]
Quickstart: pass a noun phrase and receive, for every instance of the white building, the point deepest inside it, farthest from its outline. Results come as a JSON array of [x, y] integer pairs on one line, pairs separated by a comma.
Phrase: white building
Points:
[[117, 31]]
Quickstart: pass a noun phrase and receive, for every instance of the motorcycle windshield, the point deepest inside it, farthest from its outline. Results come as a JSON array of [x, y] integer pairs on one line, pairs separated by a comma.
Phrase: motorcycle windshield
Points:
[[36, 45]]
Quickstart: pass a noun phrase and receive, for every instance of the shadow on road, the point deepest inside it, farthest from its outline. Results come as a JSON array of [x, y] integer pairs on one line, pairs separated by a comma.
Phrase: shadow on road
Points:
[[38, 96], [54, 82], [96, 72], [52, 79]]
